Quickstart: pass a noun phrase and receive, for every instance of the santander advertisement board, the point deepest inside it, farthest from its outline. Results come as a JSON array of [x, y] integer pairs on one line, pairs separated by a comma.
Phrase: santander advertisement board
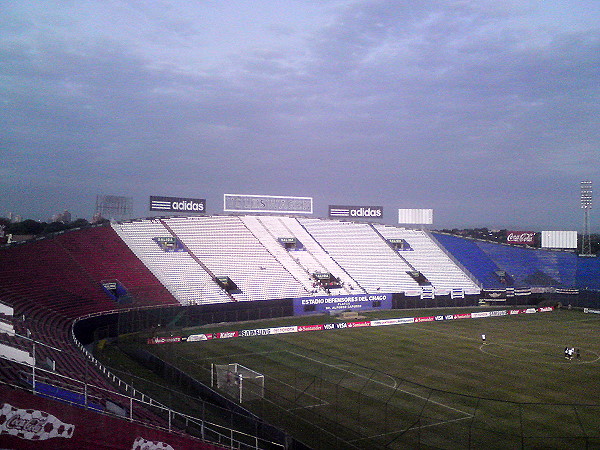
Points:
[[520, 237]]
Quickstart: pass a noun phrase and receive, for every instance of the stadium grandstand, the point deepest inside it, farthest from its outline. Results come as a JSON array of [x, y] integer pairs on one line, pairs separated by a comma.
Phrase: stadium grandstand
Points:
[[62, 295]]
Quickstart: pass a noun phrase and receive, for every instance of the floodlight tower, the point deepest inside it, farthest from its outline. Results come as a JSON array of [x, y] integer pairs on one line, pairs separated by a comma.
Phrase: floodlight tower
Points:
[[114, 207], [586, 205]]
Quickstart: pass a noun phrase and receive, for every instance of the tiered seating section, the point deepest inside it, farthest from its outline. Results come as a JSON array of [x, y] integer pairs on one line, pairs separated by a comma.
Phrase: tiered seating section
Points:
[[64, 274], [303, 262], [249, 250], [185, 279], [428, 258], [227, 247], [60, 371], [534, 267], [473, 258], [363, 254], [588, 273], [48, 283], [525, 267]]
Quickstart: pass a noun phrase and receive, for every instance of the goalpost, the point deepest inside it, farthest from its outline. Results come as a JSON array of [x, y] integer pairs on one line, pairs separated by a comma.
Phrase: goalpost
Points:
[[238, 381]]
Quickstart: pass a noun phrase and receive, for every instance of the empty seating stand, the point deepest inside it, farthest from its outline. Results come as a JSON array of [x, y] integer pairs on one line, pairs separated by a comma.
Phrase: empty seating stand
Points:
[[304, 262], [315, 258], [363, 254], [524, 267], [48, 283], [533, 266], [477, 262], [227, 247], [185, 279], [429, 259]]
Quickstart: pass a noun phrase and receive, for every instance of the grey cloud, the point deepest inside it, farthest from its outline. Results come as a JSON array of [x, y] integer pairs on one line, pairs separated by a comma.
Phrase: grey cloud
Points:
[[444, 104]]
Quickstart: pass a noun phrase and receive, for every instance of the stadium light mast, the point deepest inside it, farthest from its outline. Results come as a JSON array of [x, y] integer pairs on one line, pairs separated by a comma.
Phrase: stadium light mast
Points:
[[586, 205], [114, 207]]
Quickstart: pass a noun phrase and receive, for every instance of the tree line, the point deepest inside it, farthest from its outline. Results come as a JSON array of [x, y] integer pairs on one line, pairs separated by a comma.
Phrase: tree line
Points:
[[35, 228]]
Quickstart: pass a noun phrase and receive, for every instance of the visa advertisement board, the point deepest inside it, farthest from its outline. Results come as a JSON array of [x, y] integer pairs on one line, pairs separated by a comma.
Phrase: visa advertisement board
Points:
[[339, 303], [267, 204], [356, 212], [177, 204]]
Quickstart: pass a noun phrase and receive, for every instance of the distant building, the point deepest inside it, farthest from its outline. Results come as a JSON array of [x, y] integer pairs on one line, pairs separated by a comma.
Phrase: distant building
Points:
[[97, 218], [64, 217], [14, 218]]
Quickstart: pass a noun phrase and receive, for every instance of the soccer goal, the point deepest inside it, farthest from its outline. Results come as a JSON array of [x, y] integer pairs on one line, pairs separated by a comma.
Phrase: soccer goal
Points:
[[238, 381]]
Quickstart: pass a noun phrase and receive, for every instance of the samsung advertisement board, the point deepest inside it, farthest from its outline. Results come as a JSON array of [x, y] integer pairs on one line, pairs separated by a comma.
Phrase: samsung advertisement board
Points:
[[267, 204], [355, 212], [177, 204], [340, 303]]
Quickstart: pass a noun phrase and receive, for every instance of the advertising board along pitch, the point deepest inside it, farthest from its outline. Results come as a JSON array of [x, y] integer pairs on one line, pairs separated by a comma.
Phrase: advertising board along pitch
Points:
[[342, 325]]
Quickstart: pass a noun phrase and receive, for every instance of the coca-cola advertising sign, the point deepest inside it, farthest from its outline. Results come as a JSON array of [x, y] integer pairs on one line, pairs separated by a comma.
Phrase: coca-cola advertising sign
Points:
[[143, 444], [520, 237], [32, 424]]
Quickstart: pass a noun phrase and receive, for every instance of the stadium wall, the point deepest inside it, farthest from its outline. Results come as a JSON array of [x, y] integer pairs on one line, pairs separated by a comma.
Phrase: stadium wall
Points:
[[401, 301], [94, 327], [574, 299]]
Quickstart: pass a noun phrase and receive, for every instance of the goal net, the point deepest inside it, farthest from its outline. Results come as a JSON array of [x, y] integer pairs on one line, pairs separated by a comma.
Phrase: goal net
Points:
[[238, 381]]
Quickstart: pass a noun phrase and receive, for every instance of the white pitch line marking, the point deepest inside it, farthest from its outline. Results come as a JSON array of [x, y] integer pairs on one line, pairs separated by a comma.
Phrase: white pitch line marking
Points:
[[467, 415], [411, 428]]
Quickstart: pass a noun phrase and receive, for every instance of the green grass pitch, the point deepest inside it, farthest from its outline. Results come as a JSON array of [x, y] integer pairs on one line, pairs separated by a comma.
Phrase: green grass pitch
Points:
[[422, 385]]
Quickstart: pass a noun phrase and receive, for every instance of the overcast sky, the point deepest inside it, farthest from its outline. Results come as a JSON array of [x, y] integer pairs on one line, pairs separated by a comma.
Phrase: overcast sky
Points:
[[486, 111]]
